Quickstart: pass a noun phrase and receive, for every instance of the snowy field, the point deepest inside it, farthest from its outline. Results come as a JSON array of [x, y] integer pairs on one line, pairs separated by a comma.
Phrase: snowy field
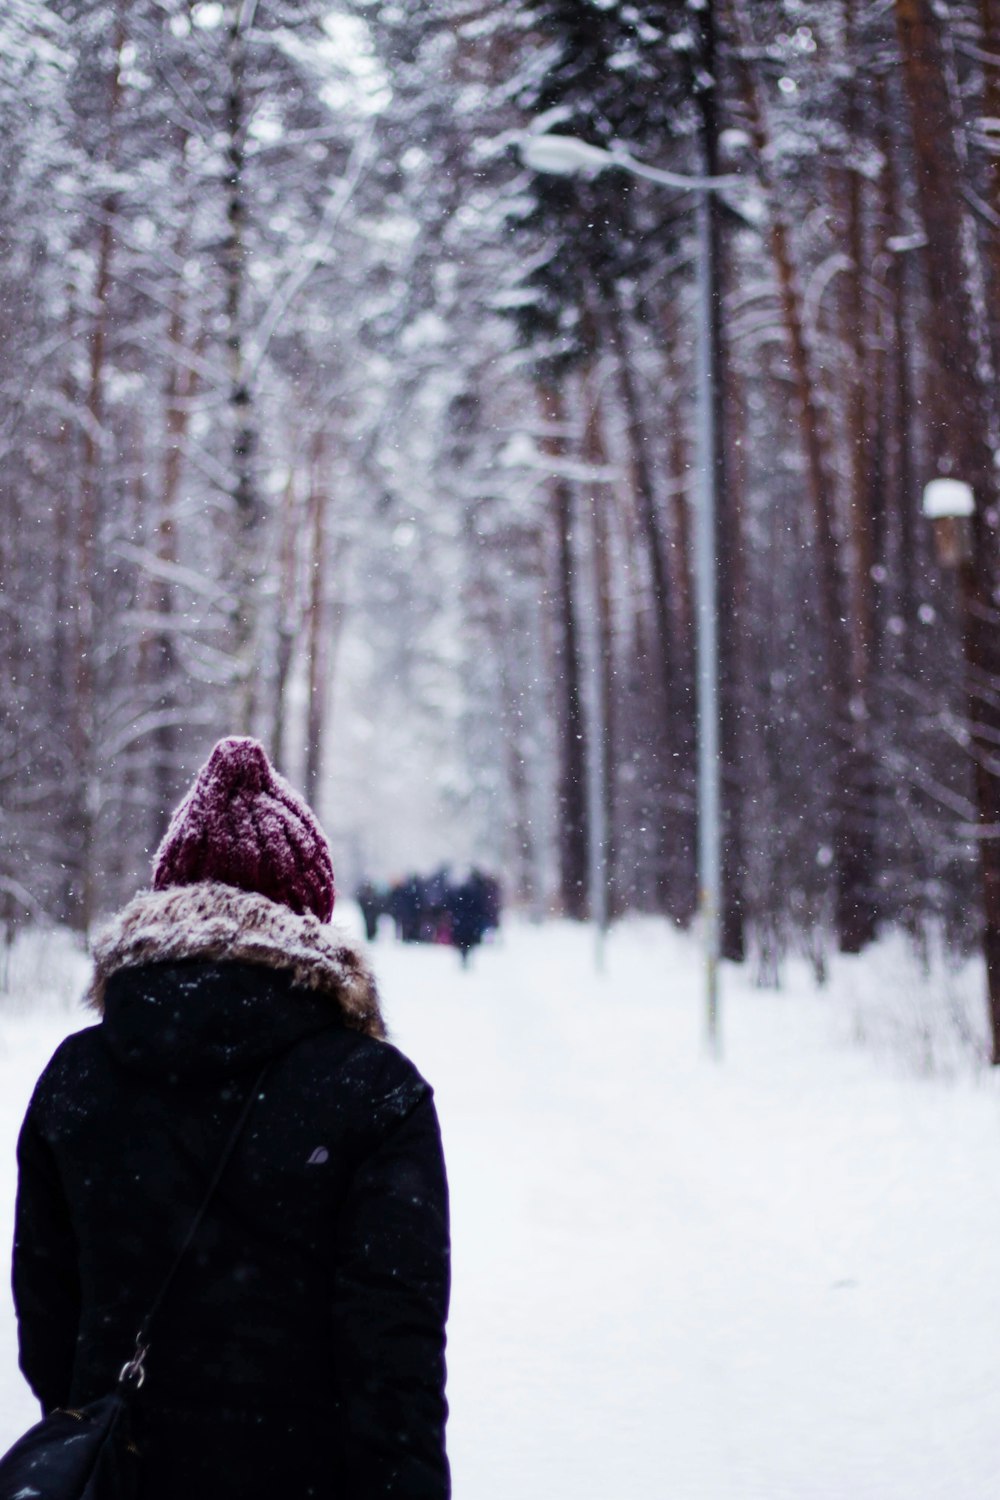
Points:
[[676, 1279]]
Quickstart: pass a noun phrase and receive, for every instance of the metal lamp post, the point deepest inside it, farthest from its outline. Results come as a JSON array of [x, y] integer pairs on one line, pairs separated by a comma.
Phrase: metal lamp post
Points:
[[568, 156]]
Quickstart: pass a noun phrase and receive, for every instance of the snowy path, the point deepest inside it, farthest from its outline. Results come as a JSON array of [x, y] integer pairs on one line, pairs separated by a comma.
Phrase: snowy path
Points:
[[770, 1278]]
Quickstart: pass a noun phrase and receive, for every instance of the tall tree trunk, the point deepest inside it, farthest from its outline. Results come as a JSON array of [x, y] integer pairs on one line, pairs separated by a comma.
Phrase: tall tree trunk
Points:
[[898, 386], [162, 664], [865, 505], [571, 795], [854, 335], [891, 507], [678, 829], [852, 865], [596, 456], [289, 610], [242, 419], [960, 431], [680, 502], [89, 516], [989, 18], [522, 834], [318, 641]]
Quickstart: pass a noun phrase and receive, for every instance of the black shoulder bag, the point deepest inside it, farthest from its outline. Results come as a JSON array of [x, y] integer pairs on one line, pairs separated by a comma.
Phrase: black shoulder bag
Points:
[[90, 1454]]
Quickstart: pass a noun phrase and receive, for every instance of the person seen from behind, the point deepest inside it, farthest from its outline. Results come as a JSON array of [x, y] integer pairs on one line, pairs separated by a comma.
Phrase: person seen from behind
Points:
[[301, 1349]]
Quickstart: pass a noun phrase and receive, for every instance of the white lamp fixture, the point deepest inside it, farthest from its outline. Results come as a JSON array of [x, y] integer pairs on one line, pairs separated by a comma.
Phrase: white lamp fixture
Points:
[[950, 504], [948, 497], [563, 156], [568, 156]]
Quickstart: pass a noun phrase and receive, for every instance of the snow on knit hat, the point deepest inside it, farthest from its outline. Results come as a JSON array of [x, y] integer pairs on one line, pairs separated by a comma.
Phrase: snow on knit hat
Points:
[[242, 824]]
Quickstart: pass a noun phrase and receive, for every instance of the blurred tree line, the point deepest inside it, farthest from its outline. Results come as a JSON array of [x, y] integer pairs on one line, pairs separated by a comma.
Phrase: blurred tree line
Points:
[[297, 351]]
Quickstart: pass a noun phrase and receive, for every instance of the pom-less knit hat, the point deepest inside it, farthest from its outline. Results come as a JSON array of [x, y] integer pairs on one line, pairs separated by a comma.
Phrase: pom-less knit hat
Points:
[[242, 824]]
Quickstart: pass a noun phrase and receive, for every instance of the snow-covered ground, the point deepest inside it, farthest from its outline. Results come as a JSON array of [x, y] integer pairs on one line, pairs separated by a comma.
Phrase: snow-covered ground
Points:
[[770, 1276]]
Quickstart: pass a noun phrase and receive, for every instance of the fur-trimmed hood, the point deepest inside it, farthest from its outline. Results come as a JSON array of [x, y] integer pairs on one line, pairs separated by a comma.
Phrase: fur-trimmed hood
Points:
[[217, 924]]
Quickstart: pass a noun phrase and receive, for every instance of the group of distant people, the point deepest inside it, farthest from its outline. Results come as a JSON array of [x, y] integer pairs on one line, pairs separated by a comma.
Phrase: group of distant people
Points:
[[434, 908]]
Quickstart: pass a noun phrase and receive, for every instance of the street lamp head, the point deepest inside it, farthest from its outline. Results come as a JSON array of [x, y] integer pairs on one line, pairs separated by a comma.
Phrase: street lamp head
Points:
[[949, 505], [568, 156], [563, 155], [948, 497]]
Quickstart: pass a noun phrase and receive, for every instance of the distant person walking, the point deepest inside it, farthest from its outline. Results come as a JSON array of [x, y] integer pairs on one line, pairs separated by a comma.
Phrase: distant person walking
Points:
[[466, 904], [301, 1348], [371, 902]]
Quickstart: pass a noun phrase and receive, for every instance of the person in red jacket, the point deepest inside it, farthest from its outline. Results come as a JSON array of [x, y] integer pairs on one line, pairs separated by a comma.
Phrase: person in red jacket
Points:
[[300, 1351]]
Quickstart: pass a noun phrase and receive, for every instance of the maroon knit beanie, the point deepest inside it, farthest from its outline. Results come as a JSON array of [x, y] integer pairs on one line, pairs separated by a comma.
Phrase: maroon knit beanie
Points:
[[242, 824]]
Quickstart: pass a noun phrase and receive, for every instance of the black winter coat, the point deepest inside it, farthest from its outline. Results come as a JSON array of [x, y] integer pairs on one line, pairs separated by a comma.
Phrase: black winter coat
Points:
[[300, 1351]]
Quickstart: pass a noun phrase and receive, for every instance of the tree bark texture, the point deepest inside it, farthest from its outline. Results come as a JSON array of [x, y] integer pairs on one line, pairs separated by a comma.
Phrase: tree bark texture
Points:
[[960, 433], [853, 872], [244, 435], [89, 516], [161, 656], [596, 456], [571, 797], [676, 758], [318, 628], [989, 18], [289, 609]]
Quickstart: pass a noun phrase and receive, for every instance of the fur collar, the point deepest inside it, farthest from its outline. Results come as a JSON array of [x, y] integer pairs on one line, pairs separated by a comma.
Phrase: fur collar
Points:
[[218, 922]]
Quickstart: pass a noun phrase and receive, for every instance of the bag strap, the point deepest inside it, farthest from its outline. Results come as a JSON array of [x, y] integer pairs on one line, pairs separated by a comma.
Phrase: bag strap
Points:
[[134, 1373]]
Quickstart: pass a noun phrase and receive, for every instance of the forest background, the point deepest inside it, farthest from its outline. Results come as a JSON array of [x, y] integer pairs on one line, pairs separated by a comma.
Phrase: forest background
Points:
[[324, 418]]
